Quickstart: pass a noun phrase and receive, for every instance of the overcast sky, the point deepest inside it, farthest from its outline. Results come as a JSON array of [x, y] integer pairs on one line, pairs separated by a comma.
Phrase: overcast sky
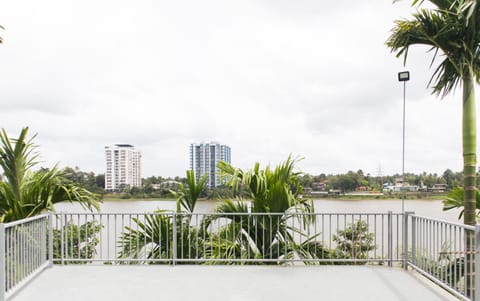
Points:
[[269, 78]]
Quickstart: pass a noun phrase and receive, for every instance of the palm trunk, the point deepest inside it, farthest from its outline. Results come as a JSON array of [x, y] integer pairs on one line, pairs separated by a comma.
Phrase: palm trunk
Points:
[[469, 149], [469, 172]]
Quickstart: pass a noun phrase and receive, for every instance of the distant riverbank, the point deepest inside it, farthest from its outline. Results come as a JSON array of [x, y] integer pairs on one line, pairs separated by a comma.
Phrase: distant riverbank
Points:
[[348, 196], [379, 196], [112, 198]]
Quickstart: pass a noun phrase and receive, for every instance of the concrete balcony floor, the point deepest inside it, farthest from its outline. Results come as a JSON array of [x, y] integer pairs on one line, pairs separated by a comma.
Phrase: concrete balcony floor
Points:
[[230, 283]]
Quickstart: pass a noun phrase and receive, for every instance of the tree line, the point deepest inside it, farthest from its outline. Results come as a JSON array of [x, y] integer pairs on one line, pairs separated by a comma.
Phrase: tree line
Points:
[[352, 180], [158, 186]]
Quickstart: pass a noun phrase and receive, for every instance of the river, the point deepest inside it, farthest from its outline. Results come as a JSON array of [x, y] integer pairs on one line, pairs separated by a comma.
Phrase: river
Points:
[[430, 208]]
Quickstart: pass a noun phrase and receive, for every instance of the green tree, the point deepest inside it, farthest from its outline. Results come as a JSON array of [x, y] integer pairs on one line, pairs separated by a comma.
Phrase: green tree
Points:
[[24, 192], [451, 29], [354, 242]]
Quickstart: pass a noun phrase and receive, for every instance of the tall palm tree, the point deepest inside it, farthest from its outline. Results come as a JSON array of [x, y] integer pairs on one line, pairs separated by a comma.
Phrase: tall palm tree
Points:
[[451, 29], [1, 40], [24, 192]]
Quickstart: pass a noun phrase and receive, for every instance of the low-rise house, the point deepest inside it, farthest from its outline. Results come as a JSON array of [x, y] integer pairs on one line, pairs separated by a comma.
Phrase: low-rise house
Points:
[[438, 188]]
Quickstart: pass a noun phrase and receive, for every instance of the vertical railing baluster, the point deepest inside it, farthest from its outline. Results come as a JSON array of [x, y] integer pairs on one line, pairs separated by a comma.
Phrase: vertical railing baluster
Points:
[[50, 238], [174, 242], [414, 240], [405, 239], [3, 275], [389, 238]]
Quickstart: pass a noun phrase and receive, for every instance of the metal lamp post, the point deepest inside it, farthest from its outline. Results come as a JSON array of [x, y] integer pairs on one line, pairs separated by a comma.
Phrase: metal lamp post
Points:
[[403, 76]]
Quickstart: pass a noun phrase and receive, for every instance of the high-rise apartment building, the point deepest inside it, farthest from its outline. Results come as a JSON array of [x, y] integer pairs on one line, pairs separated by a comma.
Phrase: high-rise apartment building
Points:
[[204, 158], [123, 167]]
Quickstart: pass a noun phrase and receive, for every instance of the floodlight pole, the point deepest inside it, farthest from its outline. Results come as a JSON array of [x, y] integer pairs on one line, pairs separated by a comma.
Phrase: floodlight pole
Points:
[[403, 77]]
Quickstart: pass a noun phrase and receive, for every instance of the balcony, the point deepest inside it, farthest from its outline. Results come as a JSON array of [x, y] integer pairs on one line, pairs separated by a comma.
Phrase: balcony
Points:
[[126, 256]]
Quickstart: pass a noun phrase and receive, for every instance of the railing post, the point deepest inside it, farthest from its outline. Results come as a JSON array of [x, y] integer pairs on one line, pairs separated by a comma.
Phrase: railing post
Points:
[[50, 239], [3, 275], [414, 240], [174, 243], [389, 239], [405, 239], [476, 270]]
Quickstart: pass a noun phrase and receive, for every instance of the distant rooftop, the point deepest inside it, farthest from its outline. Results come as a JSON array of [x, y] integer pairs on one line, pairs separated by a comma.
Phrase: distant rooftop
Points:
[[119, 145]]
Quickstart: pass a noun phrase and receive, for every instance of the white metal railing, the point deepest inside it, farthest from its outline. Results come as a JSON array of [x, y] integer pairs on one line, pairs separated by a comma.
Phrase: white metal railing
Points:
[[23, 252], [447, 253], [228, 238]]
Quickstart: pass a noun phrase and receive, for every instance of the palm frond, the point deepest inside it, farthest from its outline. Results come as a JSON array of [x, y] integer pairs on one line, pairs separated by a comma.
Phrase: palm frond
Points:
[[23, 192], [187, 196], [449, 30]]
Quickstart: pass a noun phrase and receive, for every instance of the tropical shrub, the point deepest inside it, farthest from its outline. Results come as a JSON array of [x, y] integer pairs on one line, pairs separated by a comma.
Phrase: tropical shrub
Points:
[[79, 241], [272, 236], [153, 237], [354, 242]]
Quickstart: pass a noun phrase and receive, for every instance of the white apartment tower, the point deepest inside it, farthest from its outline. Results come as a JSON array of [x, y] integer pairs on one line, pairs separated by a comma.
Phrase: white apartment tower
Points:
[[123, 167], [204, 158]]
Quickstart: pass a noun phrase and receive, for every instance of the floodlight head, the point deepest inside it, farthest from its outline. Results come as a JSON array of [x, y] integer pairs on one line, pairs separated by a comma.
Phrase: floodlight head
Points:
[[403, 76]]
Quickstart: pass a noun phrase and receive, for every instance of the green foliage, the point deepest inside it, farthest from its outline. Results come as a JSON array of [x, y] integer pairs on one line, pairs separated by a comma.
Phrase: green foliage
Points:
[[274, 190], [354, 242], [455, 199], [80, 241], [88, 180], [152, 238], [270, 237], [449, 27], [24, 192], [187, 196]]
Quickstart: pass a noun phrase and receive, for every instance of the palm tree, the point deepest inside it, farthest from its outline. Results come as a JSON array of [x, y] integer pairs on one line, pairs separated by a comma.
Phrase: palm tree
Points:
[[451, 29], [152, 238], [1, 40], [24, 192], [270, 232], [187, 196]]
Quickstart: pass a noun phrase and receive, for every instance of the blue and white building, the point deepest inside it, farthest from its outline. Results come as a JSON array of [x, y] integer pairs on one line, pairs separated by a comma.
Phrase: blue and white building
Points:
[[204, 158]]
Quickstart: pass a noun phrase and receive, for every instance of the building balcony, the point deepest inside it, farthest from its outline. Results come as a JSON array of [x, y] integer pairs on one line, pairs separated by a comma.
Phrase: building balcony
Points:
[[237, 256]]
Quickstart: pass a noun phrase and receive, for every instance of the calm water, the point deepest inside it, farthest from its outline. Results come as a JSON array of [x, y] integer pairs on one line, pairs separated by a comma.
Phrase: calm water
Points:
[[430, 208]]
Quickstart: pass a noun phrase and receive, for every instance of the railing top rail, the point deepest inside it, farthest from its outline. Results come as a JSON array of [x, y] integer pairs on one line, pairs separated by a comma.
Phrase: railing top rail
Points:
[[226, 213], [26, 220], [467, 227]]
